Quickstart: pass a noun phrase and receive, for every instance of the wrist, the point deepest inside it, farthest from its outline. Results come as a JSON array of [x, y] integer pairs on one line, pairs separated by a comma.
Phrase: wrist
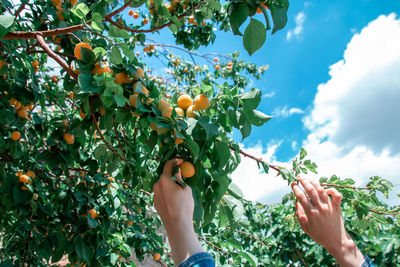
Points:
[[346, 252]]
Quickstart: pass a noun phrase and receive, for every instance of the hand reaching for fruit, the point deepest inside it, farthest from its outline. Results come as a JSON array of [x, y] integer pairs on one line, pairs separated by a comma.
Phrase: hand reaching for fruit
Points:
[[321, 218], [175, 206]]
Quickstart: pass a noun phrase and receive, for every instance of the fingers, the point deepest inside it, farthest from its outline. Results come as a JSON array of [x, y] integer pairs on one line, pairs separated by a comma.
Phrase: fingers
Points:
[[301, 197], [169, 166], [311, 192], [336, 196], [301, 216], [321, 191]]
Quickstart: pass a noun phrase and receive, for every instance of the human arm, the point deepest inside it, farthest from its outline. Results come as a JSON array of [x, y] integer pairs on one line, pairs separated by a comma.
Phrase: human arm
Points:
[[321, 218], [175, 206]]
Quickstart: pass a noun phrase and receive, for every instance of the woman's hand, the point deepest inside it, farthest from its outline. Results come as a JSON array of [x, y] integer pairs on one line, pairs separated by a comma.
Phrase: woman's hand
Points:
[[175, 206], [320, 217]]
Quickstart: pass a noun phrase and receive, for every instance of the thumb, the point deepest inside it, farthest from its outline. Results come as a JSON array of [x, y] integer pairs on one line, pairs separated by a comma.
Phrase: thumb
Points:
[[169, 166], [336, 196]]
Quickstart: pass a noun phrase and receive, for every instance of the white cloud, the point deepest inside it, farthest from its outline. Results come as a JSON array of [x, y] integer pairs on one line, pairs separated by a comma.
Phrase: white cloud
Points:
[[269, 95], [359, 105], [255, 183], [354, 123], [354, 120], [286, 112], [298, 29]]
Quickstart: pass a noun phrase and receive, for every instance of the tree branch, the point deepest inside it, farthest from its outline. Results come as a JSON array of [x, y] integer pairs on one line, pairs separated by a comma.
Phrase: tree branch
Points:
[[21, 7], [101, 135], [32, 35], [53, 55], [119, 10]]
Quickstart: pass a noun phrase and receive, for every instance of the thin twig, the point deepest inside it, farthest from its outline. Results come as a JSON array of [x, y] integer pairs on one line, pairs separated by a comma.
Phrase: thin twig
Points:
[[21, 7], [101, 134], [350, 187], [119, 10], [217, 248], [119, 141]]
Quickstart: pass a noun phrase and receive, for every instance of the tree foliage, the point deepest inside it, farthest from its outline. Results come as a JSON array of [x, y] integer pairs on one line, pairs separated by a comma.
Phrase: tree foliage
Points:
[[93, 136]]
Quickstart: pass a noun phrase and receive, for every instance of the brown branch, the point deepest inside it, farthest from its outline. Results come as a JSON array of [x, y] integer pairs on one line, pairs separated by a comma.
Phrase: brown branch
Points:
[[32, 35], [101, 135], [21, 7], [119, 10], [299, 255], [217, 248], [350, 187], [262, 243], [276, 168], [53, 55], [384, 212], [119, 141]]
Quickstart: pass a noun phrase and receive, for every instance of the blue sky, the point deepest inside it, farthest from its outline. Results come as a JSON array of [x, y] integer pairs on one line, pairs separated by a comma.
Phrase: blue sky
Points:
[[319, 91]]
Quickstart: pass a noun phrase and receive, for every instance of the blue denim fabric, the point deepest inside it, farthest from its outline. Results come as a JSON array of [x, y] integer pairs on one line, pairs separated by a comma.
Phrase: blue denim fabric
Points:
[[201, 259], [367, 262]]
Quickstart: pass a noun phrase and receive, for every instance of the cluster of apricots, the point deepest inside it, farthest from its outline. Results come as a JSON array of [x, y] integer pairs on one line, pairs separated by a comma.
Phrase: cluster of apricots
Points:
[[60, 10], [25, 178], [21, 110]]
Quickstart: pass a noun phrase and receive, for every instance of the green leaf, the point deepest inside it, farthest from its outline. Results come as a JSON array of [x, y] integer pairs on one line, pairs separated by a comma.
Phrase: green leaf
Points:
[[258, 118], [97, 22], [85, 82], [5, 22], [87, 55], [235, 190], [245, 130], [251, 99], [99, 51], [249, 257], [100, 151], [279, 14], [116, 57], [214, 4], [211, 128], [82, 250], [127, 51], [223, 153], [303, 153], [254, 36], [238, 15], [81, 10]]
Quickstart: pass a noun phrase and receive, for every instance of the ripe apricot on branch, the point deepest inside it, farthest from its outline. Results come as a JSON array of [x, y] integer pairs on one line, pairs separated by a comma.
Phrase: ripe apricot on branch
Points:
[[121, 78], [184, 101], [132, 100], [131, 12], [180, 112], [15, 136], [167, 112], [83, 115], [69, 138], [31, 174], [22, 113], [187, 169], [162, 104], [77, 50], [201, 102], [190, 112], [92, 213], [140, 72], [130, 223], [24, 179], [156, 256]]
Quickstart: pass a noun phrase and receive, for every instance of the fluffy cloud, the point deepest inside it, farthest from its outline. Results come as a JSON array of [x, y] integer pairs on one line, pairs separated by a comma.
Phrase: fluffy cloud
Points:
[[354, 122], [298, 29], [255, 183], [286, 112], [359, 105]]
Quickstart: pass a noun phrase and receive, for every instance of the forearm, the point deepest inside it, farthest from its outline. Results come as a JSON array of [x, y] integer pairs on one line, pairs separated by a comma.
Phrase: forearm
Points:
[[183, 242], [347, 253]]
